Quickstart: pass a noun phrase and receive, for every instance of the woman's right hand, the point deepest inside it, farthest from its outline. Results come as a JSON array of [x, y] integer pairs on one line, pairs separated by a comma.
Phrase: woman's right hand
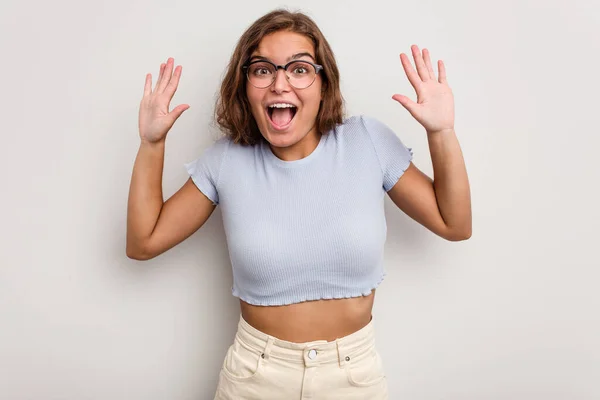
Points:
[[155, 120]]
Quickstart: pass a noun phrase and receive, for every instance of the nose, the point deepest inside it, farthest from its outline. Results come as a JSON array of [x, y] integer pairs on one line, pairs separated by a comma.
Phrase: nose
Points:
[[281, 83]]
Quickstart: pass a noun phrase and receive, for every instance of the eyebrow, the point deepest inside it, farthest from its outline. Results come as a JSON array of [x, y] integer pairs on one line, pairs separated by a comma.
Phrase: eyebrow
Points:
[[292, 57]]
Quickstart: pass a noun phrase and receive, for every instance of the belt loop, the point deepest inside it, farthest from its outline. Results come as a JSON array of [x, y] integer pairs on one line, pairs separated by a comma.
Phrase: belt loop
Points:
[[341, 359], [267, 350]]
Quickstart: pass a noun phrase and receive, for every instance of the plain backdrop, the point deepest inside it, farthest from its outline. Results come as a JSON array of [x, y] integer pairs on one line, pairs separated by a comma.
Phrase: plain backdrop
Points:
[[512, 313]]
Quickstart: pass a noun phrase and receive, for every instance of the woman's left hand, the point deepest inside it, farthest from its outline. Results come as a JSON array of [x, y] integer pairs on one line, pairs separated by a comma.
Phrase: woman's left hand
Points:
[[434, 108]]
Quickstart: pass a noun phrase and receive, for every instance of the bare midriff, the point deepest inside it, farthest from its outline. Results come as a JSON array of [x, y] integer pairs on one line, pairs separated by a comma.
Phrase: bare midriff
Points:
[[311, 320]]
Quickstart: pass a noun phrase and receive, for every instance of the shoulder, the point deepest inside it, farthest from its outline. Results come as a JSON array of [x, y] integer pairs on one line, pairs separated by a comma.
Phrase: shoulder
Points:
[[224, 147], [210, 159], [221, 144], [217, 148], [228, 154], [352, 122], [362, 123], [380, 137], [363, 127]]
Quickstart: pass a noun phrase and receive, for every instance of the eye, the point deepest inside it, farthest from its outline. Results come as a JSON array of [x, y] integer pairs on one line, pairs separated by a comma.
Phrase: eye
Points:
[[261, 69], [300, 70]]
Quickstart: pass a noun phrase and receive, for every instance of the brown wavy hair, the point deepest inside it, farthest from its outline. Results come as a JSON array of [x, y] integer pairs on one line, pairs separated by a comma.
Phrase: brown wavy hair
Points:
[[232, 111]]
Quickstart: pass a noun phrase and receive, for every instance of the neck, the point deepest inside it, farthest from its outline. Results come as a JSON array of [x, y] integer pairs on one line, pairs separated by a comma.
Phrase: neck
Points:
[[298, 150]]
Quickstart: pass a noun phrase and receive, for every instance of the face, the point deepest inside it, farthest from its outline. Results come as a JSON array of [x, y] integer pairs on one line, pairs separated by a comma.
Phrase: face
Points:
[[275, 125]]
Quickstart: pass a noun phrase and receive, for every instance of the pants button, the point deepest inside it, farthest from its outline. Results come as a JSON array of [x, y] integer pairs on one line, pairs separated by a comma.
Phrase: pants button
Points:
[[312, 354]]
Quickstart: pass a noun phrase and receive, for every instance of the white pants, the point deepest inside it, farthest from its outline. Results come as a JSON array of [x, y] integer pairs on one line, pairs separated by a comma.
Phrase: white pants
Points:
[[262, 367]]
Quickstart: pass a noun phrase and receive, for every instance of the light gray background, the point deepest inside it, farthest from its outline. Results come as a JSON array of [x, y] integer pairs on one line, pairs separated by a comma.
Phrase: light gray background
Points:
[[513, 313]]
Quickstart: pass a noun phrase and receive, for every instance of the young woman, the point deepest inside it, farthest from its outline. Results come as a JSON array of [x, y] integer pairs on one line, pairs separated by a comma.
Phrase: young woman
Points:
[[301, 190]]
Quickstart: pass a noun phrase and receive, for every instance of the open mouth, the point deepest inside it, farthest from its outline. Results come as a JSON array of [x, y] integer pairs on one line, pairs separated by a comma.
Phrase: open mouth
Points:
[[281, 114]]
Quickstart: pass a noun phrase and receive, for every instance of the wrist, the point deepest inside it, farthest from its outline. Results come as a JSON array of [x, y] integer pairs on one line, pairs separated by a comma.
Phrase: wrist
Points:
[[446, 131], [152, 145], [158, 146]]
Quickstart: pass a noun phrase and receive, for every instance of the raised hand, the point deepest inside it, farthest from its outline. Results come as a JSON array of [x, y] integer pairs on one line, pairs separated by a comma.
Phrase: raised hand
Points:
[[155, 120], [434, 108]]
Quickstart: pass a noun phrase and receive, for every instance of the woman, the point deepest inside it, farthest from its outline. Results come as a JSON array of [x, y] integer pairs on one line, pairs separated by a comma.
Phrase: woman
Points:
[[301, 191]]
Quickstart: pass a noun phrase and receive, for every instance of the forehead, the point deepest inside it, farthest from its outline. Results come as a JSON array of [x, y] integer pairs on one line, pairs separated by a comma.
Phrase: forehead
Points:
[[280, 46]]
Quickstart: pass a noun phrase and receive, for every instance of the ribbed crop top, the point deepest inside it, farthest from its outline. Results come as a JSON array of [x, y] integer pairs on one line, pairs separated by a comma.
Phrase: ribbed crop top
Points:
[[308, 229]]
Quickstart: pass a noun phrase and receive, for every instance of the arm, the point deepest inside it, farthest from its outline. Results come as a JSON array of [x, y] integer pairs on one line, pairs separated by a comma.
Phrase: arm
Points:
[[153, 227], [442, 205]]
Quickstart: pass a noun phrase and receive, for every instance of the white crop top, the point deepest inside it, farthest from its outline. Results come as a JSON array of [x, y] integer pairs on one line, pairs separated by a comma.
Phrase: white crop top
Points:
[[308, 229]]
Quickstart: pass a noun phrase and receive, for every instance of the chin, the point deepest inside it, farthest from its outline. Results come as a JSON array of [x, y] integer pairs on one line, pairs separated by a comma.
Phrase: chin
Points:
[[283, 140]]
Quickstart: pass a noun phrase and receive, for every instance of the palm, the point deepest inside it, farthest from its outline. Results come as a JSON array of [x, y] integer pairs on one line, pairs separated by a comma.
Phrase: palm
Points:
[[434, 108], [154, 121]]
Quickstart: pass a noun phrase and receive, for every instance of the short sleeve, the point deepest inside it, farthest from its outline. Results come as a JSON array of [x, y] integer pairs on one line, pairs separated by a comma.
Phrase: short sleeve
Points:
[[394, 157], [205, 170]]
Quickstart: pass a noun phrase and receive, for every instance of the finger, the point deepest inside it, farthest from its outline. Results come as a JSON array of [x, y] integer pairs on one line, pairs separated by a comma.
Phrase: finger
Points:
[[421, 67], [427, 59], [407, 103], [161, 72], [167, 75], [177, 111], [172, 87], [442, 72], [148, 85], [411, 74]]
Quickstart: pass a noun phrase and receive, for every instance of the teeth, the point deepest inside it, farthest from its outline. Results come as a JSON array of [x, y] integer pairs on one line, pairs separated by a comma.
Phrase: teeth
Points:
[[282, 105]]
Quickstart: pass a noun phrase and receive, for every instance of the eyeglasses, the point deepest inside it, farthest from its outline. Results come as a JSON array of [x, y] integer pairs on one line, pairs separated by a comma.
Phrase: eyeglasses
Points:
[[300, 74]]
